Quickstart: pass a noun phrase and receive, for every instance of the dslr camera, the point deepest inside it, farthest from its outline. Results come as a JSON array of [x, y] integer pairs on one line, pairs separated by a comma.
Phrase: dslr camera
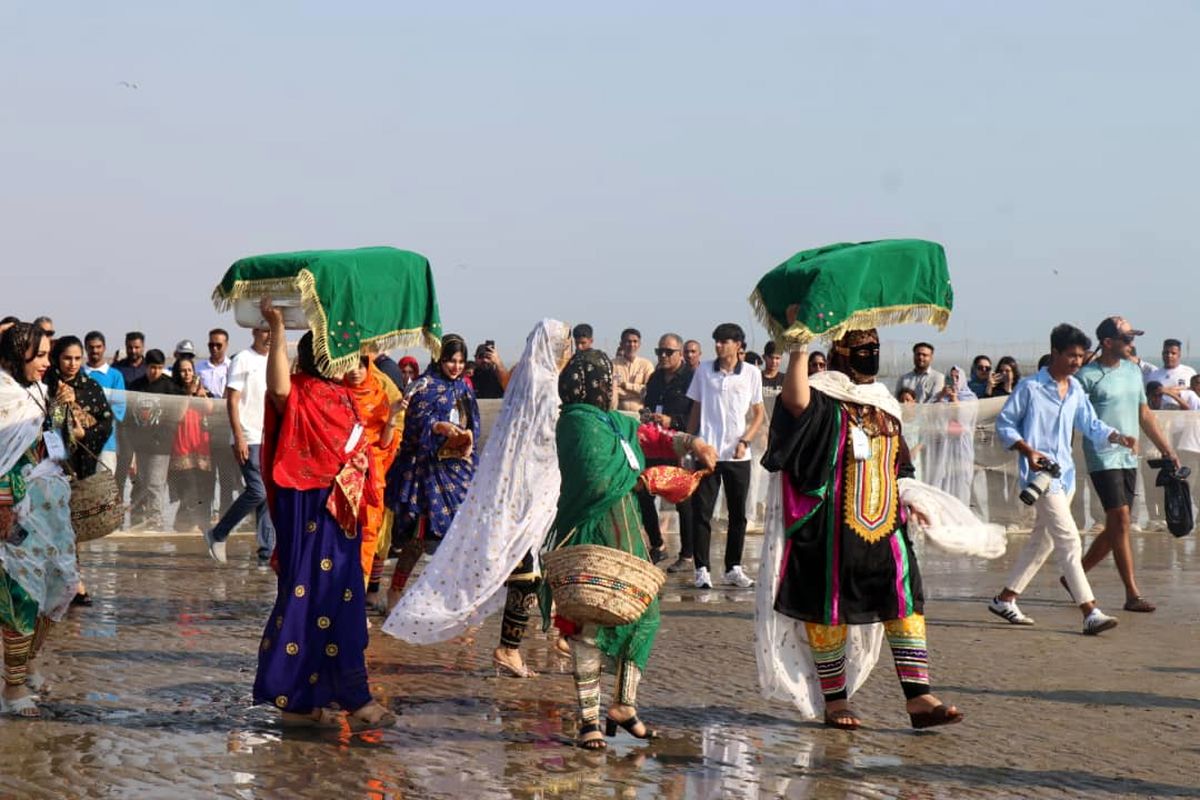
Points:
[[1047, 471]]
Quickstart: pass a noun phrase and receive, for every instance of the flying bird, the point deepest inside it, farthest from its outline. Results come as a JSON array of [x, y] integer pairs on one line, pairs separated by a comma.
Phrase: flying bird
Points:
[[127, 84]]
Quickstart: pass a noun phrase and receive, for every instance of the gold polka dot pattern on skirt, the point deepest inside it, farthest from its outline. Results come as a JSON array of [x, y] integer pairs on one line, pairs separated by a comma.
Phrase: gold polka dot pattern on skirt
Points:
[[314, 678], [311, 527], [292, 648], [331, 650], [281, 701], [299, 591], [266, 644], [322, 622], [326, 564], [348, 595]]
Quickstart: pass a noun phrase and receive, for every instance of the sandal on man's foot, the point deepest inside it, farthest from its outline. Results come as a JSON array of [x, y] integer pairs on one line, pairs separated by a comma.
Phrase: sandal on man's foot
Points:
[[843, 719], [596, 743], [1140, 604], [610, 728], [938, 715]]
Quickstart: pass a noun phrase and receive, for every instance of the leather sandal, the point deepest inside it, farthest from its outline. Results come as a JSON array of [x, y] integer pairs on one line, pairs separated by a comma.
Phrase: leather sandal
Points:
[[611, 725], [1140, 604], [843, 719], [938, 715], [590, 744]]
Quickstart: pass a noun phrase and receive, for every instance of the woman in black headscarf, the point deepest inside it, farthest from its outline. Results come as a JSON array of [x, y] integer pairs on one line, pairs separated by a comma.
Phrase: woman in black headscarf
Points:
[[80, 408]]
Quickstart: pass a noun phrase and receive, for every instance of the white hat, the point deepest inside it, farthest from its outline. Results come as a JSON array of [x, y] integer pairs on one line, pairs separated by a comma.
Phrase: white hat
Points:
[[185, 347]]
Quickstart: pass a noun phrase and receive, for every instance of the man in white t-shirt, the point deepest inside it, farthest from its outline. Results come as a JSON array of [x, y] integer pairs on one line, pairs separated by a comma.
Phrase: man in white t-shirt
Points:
[[245, 399], [1172, 374], [725, 391]]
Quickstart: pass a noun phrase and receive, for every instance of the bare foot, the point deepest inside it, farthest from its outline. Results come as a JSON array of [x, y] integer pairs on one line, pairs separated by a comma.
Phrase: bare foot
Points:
[[562, 646]]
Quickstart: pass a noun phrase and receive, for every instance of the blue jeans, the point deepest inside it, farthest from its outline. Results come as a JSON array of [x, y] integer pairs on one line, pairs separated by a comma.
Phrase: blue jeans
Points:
[[252, 498]]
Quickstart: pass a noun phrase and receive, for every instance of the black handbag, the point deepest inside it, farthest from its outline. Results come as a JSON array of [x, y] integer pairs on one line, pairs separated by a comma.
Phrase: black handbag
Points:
[[1177, 497]]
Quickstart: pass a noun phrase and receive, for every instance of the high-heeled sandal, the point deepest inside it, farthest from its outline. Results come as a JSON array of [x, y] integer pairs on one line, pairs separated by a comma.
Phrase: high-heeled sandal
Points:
[[590, 744], [611, 725]]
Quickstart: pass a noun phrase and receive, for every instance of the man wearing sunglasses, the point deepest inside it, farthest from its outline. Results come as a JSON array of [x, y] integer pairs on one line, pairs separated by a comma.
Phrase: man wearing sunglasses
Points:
[[668, 405], [245, 400], [1114, 385]]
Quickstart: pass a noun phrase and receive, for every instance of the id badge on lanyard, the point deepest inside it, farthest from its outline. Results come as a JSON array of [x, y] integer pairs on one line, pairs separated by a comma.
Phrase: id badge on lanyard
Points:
[[630, 456], [860, 444], [55, 448]]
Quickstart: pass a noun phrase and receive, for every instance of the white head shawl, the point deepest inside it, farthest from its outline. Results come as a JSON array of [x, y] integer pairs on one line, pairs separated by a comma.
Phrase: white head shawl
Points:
[[20, 418], [507, 511]]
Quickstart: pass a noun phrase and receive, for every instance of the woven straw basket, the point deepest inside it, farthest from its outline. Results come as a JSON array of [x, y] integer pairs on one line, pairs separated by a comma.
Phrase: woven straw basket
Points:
[[601, 585], [96, 510]]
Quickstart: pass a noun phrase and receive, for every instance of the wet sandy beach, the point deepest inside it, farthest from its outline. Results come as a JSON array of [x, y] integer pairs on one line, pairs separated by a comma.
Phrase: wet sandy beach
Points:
[[151, 698]]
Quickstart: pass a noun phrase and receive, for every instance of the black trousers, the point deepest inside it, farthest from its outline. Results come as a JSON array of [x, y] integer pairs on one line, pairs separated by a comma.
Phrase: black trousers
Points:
[[735, 475], [654, 529]]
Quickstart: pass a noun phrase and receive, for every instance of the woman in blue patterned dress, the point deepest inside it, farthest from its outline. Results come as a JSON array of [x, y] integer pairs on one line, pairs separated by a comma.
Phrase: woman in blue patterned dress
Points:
[[429, 479]]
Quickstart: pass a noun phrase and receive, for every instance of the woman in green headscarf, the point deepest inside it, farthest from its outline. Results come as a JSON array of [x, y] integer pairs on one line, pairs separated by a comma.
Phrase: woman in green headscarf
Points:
[[600, 456]]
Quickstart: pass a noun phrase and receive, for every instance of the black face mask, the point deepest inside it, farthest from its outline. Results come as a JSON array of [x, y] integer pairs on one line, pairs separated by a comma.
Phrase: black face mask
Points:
[[865, 360]]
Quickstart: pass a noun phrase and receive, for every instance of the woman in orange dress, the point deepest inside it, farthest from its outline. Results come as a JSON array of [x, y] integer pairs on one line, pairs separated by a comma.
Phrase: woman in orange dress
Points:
[[374, 395]]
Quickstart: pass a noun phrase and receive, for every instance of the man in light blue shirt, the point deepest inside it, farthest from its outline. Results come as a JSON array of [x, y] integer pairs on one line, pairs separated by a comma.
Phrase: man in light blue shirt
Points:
[[98, 369], [1037, 421], [1114, 385]]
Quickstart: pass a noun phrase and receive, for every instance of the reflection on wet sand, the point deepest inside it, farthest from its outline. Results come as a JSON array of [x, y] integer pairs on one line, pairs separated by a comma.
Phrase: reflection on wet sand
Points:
[[151, 698]]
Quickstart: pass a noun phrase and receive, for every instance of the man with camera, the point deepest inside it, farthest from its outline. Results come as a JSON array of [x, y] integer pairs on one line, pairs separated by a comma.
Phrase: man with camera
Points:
[[1114, 385], [1037, 421], [490, 375]]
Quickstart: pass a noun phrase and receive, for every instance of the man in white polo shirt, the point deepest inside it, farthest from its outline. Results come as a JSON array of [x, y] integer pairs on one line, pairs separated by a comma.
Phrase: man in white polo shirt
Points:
[[725, 392]]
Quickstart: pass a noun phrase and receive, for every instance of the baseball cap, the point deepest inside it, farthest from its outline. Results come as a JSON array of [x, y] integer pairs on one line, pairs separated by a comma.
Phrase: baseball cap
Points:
[[186, 347], [1110, 328]]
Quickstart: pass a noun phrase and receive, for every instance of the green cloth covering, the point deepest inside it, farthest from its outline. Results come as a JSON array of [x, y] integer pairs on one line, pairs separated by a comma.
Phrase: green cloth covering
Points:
[[845, 287], [372, 295], [597, 506]]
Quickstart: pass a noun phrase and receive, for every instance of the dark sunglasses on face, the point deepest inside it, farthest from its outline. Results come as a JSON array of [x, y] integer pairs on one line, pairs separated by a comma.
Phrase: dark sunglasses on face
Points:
[[49, 333], [215, 345], [984, 368], [665, 351]]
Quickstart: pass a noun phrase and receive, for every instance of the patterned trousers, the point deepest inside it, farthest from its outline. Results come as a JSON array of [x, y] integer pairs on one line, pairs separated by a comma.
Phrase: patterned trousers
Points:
[[906, 637]]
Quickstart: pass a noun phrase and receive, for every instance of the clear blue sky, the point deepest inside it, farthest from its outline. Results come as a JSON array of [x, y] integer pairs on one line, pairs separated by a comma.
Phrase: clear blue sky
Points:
[[617, 164]]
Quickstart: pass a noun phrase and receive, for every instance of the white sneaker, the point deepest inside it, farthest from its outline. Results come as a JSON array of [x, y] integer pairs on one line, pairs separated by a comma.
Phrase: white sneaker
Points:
[[735, 577], [215, 549], [702, 579], [1098, 622], [1009, 611]]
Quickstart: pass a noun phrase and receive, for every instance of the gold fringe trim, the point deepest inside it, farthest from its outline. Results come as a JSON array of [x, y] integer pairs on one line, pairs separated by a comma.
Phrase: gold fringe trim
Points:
[[305, 284], [800, 334]]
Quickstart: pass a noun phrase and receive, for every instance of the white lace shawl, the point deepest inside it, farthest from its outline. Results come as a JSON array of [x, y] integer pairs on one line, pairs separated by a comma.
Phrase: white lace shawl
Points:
[[507, 511]]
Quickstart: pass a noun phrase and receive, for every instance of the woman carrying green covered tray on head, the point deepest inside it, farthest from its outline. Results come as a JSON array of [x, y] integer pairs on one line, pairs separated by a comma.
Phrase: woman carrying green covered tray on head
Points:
[[600, 456]]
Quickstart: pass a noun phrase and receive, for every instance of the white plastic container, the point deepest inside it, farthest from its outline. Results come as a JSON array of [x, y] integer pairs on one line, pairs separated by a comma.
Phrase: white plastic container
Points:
[[247, 315]]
